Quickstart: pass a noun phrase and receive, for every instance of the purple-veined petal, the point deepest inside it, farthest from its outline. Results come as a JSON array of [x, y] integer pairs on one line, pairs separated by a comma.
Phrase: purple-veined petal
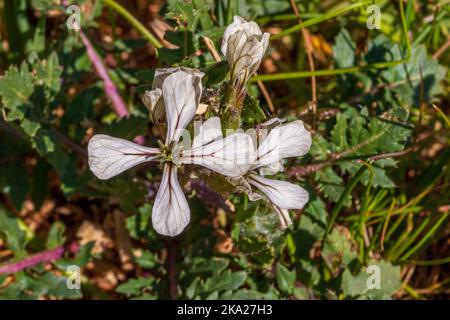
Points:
[[109, 156], [284, 141], [283, 194], [208, 131], [171, 212], [181, 93], [283, 215], [231, 156]]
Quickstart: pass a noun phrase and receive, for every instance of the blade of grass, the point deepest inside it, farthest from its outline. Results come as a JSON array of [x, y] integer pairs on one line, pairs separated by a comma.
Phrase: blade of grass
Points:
[[386, 223], [285, 17], [323, 73], [321, 18], [394, 228], [405, 240], [426, 237], [134, 22], [348, 189], [442, 114], [434, 262]]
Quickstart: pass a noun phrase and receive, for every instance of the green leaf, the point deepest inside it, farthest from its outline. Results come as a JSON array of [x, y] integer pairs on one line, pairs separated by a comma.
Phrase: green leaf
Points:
[[188, 12], [49, 73], [44, 142], [285, 279], [48, 284], [139, 225], [251, 112], [245, 294], [405, 79], [38, 44], [147, 260], [339, 133], [55, 236], [30, 127], [15, 237], [216, 73], [379, 280], [311, 227], [338, 249], [224, 281], [16, 87], [344, 50], [211, 266], [14, 182], [135, 286], [128, 127]]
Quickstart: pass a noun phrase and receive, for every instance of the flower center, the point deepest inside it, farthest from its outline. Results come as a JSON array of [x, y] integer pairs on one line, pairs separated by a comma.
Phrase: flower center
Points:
[[170, 153]]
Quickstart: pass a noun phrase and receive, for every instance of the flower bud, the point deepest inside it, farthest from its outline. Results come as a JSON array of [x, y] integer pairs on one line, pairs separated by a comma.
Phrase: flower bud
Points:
[[244, 46], [153, 99]]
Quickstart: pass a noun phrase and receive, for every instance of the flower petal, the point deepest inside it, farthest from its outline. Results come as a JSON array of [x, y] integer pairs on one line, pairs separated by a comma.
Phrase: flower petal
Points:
[[208, 131], [283, 215], [181, 92], [155, 104], [109, 156], [283, 194], [271, 169], [284, 141], [171, 212], [231, 156]]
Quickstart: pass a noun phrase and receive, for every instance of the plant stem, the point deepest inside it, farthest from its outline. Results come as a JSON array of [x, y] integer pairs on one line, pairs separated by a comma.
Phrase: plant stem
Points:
[[171, 246], [110, 89], [30, 261]]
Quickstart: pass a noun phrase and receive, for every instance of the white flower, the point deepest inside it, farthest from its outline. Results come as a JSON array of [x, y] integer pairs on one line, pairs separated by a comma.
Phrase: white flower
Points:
[[244, 46], [154, 100], [284, 141], [231, 156]]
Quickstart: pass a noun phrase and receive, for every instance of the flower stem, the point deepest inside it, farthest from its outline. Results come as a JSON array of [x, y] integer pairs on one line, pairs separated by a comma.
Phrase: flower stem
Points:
[[231, 107], [171, 246]]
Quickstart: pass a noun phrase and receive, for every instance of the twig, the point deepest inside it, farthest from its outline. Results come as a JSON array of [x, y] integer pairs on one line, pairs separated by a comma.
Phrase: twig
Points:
[[391, 154], [71, 144], [314, 167], [309, 50], [266, 96], [439, 52], [212, 49]]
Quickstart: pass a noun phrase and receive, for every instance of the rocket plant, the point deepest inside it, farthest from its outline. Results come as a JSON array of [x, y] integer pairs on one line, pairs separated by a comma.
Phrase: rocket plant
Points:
[[175, 97]]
